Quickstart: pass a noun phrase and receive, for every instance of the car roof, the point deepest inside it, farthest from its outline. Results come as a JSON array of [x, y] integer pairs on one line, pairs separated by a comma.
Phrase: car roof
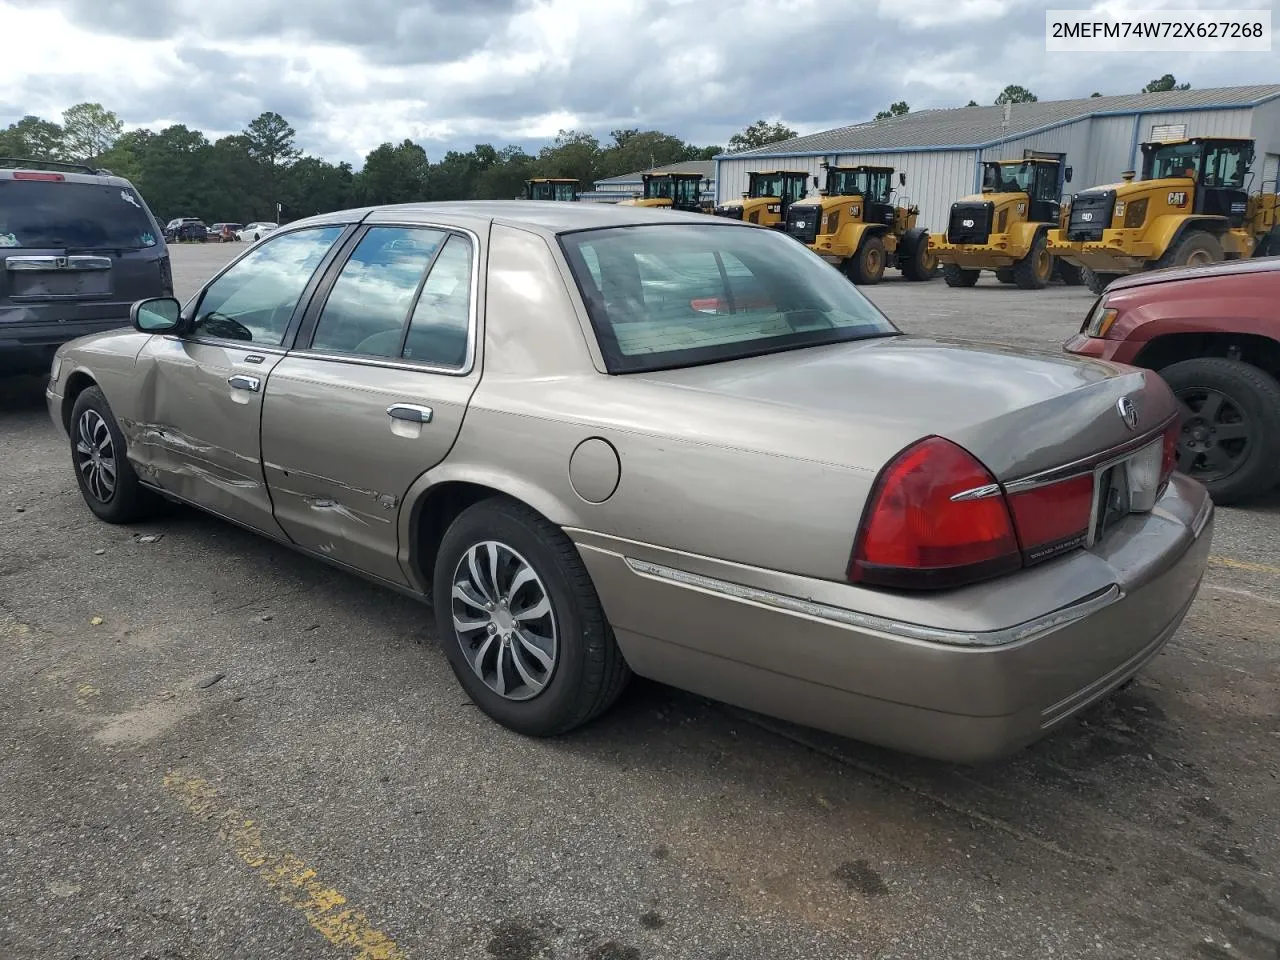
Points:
[[538, 215], [69, 176], [1170, 274]]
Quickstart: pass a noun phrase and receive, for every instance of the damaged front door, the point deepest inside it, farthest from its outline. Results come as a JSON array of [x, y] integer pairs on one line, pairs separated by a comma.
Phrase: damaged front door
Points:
[[202, 396], [375, 394]]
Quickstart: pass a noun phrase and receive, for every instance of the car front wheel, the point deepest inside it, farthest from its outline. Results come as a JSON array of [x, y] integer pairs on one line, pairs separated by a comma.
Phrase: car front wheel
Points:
[[521, 623], [106, 478], [1230, 438]]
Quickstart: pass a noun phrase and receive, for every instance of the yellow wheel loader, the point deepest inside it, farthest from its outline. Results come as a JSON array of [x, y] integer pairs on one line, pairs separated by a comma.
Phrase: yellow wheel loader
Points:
[[854, 224], [678, 191], [1192, 206], [551, 188], [1006, 228], [768, 197]]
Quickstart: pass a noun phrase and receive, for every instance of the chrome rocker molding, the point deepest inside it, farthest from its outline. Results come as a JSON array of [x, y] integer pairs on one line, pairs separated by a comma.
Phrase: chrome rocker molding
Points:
[[894, 628]]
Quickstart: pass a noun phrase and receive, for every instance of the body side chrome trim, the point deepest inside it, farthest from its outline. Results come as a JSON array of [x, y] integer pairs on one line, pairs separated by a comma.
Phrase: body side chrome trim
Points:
[[894, 628]]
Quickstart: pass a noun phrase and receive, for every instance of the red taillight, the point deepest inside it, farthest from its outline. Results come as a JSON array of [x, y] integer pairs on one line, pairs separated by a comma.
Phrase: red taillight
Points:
[[33, 175], [1169, 454], [915, 535], [1053, 518]]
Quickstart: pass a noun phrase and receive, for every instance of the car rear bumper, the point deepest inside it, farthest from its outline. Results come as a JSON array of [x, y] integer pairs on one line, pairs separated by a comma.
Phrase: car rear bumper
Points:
[[29, 347], [944, 692]]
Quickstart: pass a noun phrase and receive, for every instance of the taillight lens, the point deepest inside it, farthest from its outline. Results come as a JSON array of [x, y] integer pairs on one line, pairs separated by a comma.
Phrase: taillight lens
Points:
[[1053, 518], [915, 535]]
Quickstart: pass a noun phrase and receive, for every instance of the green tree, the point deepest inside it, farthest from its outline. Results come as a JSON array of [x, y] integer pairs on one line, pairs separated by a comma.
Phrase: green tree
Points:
[[316, 186], [575, 153], [394, 174], [972, 103], [1167, 82], [634, 150], [1094, 94], [32, 138], [1016, 94], [89, 130], [505, 177], [760, 134], [898, 109]]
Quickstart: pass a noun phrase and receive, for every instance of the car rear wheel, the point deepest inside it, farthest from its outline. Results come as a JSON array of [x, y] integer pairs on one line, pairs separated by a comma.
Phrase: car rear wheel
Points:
[[957, 276], [1033, 271], [867, 265], [106, 479], [1097, 282], [1230, 437], [521, 623]]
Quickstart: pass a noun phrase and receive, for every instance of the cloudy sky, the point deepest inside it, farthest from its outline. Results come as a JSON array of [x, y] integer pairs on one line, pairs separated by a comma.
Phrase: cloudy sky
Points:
[[350, 74]]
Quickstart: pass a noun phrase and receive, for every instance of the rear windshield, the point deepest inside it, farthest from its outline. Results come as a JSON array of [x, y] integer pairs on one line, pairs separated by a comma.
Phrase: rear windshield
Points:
[[676, 295], [75, 216]]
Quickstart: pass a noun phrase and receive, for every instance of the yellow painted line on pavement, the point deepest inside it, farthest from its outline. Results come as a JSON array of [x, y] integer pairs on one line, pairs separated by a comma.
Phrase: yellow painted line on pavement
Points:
[[1244, 565], [297, 885]]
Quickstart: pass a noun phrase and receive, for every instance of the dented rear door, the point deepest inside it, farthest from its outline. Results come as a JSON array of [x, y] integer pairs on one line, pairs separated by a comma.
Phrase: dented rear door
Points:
[[376, 394]]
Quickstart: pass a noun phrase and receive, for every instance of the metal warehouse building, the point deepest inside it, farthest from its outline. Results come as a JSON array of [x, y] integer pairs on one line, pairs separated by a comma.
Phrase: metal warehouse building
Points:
[[629, 185], [941, 151]]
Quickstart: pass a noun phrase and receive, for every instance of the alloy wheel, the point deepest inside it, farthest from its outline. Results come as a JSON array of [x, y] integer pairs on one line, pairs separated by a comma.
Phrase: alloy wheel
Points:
[[95, 456], [503, 620], [1215, 437]]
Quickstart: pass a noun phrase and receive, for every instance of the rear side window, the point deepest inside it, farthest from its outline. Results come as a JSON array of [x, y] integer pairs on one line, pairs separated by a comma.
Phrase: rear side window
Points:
[[62, 214], [669, 296]]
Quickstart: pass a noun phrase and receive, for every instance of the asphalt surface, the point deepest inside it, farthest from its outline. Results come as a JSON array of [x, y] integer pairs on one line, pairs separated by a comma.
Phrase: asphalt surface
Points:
[[211, 747]]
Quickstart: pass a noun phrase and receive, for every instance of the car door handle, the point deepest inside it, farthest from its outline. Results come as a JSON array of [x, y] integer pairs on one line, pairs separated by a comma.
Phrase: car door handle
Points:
[[241, 382], [412, 412]]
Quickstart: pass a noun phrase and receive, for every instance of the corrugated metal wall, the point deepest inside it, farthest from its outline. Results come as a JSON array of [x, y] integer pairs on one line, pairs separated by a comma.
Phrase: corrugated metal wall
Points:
[[934, 179], [1266, 131], [1098, 149]]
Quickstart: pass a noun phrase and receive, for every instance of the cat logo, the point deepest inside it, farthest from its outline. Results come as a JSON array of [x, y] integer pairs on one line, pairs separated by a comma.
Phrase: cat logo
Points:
[[854, 210], [1022, 207], [1177, 198]]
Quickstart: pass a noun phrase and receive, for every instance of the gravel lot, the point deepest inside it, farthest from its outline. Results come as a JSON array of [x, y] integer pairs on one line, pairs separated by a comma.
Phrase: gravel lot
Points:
[[211, 747]]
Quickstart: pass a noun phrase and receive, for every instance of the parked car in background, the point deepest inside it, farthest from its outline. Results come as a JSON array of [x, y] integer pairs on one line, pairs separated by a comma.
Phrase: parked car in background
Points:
[[77, 247], [171, 228], [256, 230], [1213, 333], [603, 439], [224, 232]]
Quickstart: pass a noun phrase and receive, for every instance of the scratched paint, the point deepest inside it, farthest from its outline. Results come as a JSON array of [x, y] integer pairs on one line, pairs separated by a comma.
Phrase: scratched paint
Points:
[[298, 886]]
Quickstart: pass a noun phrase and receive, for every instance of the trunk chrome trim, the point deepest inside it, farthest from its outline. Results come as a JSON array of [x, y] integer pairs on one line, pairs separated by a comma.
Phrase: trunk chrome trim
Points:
[[978, 493], [895, 628], [41, 264], [1088, 464]]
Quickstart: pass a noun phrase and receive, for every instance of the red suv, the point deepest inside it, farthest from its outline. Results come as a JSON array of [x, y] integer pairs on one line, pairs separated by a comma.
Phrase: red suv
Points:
[[1213, 333]]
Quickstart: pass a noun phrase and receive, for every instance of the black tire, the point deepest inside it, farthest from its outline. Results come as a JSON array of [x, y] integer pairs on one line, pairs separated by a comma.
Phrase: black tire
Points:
[[94, 426], [1004, 274], [1098, 282], [957, 276], [1069, 273], [1248, 404], [919, 263], [1035, 270], [866, 266], [1196, 248], [588, 672]]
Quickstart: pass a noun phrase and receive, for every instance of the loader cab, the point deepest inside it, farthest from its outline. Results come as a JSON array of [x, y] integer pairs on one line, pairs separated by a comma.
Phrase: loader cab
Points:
[[551, 188], [683, 190], [787, 185], [1218, 166], [1040, 180], [873, 184]]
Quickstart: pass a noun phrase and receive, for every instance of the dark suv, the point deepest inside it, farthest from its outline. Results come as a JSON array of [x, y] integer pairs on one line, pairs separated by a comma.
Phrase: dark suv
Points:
[[77, 247]]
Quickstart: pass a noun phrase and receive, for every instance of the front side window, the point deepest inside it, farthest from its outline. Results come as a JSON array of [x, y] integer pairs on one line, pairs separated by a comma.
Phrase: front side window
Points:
[[1176, 160], [441, 322], [766, 185], [659, 188], [1225, 165], [366, 310], [676, 295], [255, 299]]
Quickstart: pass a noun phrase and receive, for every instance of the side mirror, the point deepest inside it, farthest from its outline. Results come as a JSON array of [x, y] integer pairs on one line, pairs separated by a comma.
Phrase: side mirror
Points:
[[902, 179], [157, 315], [1067, 174]]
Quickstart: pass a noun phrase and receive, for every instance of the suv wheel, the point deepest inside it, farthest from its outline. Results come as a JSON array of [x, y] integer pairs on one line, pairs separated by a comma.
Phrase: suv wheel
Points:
[[1230, 438]]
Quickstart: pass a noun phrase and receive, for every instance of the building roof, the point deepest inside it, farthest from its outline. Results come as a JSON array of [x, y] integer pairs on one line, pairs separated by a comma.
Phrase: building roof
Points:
[[705, 168], [968, 127]]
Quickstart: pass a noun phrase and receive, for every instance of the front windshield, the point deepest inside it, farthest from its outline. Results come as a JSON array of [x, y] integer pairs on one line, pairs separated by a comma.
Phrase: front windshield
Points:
[[872, 185], [659, 188], [678, 295], [564, 191], [687, 191], [1225, 165], [1176, 160], [1008, 177], [766, 185]]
